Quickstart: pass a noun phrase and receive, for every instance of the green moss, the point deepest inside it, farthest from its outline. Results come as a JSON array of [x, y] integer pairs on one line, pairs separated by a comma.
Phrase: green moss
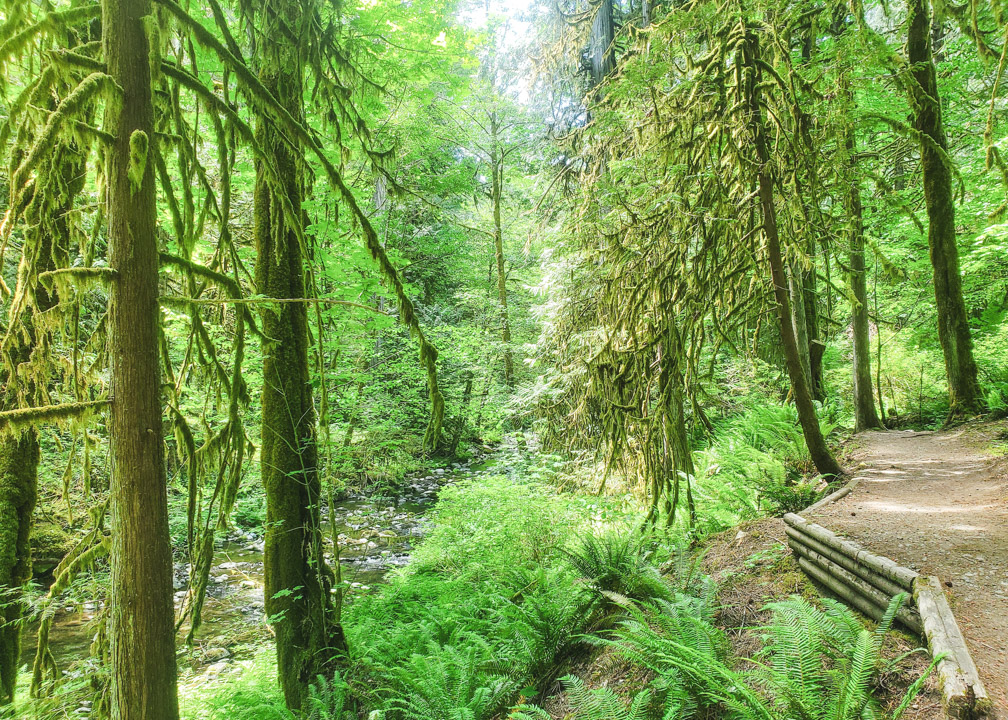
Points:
[[49, 543], [19, 457], [137, 159]]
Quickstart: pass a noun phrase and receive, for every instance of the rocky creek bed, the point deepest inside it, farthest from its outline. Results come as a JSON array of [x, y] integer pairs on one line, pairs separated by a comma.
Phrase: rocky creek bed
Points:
[[377, 534]]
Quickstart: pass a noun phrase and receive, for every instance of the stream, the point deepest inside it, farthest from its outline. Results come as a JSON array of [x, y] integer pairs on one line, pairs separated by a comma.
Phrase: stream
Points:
[[376, 535]]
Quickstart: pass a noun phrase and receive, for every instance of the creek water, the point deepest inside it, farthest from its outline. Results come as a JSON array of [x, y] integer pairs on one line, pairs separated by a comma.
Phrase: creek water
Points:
[[376, 532]]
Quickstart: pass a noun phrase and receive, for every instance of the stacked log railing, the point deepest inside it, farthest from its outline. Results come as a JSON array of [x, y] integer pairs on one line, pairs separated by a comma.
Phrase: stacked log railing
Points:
[[868, 582], [864, 580]]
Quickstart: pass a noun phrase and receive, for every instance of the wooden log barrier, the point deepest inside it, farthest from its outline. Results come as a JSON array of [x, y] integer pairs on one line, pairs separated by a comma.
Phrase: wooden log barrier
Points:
[[902, 577], [868, 582], [823, 578], [879, 582], [964, 693], [874, 602]]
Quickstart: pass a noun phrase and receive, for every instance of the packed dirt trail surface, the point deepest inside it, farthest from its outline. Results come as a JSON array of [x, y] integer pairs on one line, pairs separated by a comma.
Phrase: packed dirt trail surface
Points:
[[937, 502]]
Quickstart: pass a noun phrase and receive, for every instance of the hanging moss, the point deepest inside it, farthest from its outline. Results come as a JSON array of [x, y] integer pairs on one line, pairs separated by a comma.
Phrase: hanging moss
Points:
[[278, 113], [88, 88]]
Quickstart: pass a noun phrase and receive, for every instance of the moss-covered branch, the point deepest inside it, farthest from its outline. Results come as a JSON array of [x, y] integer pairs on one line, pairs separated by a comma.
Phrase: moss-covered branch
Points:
[[14, 420]]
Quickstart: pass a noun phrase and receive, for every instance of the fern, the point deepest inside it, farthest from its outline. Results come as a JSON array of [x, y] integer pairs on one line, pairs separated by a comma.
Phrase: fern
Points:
[[528, 712], [817, 664], [449, 683], [617, 563], [603, 703], [823, 663], [328, 700]]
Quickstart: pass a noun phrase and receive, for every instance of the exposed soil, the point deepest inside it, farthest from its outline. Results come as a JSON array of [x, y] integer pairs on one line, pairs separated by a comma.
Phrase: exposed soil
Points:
[[937, 502]]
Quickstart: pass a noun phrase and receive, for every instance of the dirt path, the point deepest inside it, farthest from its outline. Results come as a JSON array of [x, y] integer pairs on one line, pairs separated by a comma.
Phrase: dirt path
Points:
[[938, 502]]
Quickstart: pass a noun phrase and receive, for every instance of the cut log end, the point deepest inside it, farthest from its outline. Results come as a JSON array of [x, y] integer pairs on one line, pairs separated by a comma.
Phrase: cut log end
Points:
[[963, 693]]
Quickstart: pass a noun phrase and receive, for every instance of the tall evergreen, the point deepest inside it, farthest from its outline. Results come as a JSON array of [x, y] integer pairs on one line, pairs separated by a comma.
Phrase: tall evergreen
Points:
[[751, 60], [141, 610], [953, 326], [497, 189], [297, 579]]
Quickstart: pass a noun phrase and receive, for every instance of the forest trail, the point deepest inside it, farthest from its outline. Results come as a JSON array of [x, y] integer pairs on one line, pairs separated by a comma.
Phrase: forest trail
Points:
[[938, 502]]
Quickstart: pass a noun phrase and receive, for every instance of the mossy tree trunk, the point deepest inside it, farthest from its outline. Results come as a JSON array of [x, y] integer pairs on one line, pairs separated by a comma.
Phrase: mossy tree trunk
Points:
[[823, 459], [497, 191], [19, 458], [865, 416], [813, 330], [799, 321], [142, 615], [46, 247], [310, 639], [600, 50], [678, 468], [953, 326]]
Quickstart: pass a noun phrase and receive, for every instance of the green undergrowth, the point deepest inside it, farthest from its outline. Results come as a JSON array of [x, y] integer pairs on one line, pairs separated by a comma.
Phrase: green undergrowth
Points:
[[491, 605], [514, 581], [818, 662], [755, 463]]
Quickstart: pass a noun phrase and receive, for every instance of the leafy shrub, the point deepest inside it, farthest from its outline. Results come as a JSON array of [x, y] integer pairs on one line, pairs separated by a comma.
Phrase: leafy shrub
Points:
[[492, 524], [252, 695], [794, 494]]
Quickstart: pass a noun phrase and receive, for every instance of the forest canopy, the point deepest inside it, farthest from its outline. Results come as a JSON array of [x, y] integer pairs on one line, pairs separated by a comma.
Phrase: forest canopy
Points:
[[274, 272]]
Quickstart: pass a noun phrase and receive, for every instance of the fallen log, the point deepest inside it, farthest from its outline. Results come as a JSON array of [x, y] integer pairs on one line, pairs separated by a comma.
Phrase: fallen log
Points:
[[834, 496], [964, 695], [878, 600], [901, 576]]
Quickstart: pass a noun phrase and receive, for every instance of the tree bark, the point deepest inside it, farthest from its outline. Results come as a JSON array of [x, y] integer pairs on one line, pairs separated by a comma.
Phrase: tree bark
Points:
[[297, 580], [497, 189], [19, 458], [953, 326], [600, 49], [821, 456], [865, 417], [141, 611]]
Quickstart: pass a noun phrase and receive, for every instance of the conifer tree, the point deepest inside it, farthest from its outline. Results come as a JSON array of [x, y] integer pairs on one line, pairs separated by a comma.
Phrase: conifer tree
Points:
[[298, 581], [142, 614], [953, 325]]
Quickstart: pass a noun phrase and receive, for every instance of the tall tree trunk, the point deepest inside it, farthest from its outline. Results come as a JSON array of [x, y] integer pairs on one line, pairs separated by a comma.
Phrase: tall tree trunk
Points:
[[142, 615], [953, 326], [803, 282], [497, 189], [600, 50], [865, 416], [19, 458], [821, 456], [297, 579], [799, 322], [816, 344], [677, 454]]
